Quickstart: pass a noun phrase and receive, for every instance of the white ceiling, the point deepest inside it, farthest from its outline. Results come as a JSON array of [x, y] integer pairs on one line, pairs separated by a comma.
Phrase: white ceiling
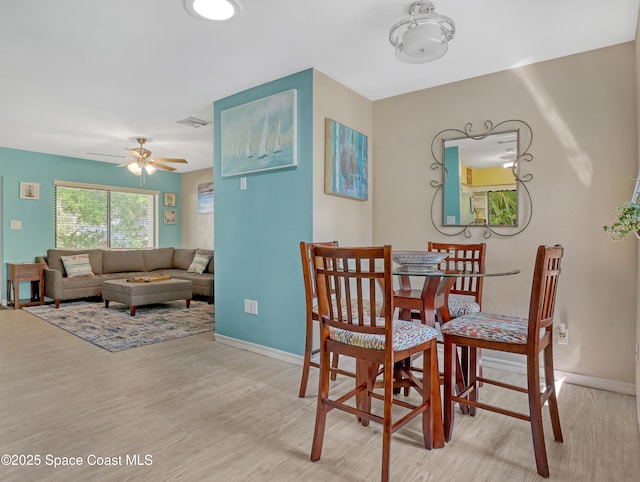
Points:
[[80, 76]]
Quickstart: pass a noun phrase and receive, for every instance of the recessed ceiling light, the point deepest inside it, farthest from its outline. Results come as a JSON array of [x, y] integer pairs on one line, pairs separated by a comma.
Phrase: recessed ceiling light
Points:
[[212, 9]]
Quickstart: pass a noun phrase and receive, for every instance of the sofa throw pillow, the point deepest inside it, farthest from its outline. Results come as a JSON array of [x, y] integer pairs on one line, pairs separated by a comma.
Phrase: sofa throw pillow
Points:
[[210, 253], [199, 263], [77, 265]]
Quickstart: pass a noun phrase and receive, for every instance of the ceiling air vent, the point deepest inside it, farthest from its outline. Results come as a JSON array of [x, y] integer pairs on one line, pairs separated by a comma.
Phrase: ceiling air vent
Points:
[[194, 122]]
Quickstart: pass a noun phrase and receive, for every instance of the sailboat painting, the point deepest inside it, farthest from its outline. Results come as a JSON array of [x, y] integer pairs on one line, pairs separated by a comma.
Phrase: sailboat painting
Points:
[[259, 135], [346, 162]]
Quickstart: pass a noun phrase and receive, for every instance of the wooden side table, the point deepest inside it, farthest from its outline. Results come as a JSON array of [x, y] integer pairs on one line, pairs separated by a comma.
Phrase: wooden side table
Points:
[[22, 272]]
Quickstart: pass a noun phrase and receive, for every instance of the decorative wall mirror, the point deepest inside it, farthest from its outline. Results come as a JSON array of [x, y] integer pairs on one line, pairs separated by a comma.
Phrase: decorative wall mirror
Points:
[[482, 182]]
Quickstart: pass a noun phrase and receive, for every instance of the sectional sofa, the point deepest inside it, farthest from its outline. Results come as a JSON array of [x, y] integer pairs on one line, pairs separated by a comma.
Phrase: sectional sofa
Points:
[[121, 264]]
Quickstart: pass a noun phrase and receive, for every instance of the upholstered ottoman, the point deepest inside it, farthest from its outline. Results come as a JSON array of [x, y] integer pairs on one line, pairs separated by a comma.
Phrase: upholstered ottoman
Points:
[[134, 294]]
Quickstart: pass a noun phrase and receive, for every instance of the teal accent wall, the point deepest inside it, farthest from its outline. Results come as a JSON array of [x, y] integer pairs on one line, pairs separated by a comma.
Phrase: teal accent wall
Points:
[[37, 216], [451, 192], [258, 232]]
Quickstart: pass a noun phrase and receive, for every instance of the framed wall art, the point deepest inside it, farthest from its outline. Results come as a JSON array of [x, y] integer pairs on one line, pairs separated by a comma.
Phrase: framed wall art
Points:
[[170, 199], [205, 198], [29, 190], [170, 216], [346, 162], [260, 135]]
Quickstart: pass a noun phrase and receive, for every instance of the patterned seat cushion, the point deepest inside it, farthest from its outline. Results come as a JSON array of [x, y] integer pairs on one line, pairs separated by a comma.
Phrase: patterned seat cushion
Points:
[[406, 334], [462, 305], [490, 327]]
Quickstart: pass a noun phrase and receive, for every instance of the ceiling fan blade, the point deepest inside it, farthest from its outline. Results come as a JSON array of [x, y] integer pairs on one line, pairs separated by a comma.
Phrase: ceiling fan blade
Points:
[[135, 151], [161, 166], [108, 155], [166, 159]]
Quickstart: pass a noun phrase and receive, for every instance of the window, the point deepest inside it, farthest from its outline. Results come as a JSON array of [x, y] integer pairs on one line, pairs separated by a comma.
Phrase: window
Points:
[[91, 216]]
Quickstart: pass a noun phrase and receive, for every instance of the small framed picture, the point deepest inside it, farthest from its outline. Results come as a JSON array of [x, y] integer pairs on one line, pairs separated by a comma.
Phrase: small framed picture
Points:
[[29, 190], [170, 216], [170, 199]]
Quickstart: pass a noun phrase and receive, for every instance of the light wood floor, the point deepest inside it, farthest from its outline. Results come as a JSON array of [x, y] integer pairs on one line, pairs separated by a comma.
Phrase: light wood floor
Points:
[[209, 412]]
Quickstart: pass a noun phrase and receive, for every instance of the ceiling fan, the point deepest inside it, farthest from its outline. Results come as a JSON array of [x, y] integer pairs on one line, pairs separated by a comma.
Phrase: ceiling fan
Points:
[[142, 160]]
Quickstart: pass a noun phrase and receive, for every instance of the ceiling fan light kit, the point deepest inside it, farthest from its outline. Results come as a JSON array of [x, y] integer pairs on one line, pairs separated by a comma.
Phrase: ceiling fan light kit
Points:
[[423, 36], [142, 162], [135, 168], [217, 10]]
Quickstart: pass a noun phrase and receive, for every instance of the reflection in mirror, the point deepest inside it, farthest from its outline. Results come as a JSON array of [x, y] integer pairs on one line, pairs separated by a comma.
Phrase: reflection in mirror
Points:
[[481, 182], [481, 186]]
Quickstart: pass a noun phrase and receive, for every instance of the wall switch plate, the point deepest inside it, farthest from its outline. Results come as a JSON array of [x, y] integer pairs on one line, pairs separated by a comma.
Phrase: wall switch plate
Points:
[[247, 306], [254, 307], [243, 183]]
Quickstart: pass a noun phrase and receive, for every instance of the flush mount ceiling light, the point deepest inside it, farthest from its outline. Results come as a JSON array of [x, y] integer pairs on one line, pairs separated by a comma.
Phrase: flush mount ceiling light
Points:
[[423, 36], [212, 9]]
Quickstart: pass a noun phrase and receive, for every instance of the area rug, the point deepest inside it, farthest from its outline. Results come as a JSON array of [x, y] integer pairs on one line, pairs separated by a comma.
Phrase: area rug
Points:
[[114, 329]]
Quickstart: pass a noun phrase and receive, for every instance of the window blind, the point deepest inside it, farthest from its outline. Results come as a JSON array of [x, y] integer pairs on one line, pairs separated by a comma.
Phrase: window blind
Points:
[[90, 216]]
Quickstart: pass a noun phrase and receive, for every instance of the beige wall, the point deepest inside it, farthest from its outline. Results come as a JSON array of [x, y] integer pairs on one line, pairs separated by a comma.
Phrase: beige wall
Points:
[[582, 110], [197, 229], [336, 218]]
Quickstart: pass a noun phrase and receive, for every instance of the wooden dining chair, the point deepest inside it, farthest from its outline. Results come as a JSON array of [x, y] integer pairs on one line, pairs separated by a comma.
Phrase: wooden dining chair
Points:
[[525, 336], [465, 295], [358, 275], [311, 303]]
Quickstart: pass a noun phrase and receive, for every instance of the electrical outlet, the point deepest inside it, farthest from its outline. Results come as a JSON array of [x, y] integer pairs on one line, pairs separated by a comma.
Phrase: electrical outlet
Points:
[[563, 334]]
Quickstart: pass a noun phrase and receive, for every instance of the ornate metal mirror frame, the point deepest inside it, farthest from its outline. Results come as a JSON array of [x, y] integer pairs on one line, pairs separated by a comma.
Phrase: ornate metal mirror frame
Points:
[[524, 205]]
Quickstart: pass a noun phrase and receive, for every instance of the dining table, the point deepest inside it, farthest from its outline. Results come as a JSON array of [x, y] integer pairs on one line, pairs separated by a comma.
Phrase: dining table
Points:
[[437, 283], [433, 295]]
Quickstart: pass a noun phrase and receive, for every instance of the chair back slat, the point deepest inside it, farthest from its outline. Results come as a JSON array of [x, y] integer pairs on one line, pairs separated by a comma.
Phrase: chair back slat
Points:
[[361, 278], [543, 290], [467, 257], [310, 289]]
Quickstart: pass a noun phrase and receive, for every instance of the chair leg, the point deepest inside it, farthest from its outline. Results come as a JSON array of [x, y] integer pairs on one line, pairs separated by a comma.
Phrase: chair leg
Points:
[[449, 386], [363, 399], [308, 348], [321, 408], [407, 366], [386, 423], [553, 398], [431, 389], [479, 355], [535, 413], [472, 380], [460, 381], [334, 364]]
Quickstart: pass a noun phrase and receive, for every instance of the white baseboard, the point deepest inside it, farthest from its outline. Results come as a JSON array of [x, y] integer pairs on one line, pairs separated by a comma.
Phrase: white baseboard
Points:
[[489, 362], [260, 349], [566, 377]]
